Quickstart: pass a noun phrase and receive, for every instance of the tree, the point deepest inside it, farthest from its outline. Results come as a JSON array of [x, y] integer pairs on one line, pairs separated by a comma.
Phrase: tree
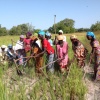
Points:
[[95, 27], [67, 25], [13, 31], [3, 31]]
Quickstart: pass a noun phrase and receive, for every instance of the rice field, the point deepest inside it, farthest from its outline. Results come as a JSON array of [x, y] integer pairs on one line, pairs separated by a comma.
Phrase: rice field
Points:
[[47, 86]]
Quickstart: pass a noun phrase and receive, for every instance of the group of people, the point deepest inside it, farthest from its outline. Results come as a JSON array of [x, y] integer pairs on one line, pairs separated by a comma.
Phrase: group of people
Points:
[[37, 45]]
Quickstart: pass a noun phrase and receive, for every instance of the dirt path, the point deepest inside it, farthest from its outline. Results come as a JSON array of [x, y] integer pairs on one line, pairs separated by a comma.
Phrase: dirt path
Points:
[[92, 86]]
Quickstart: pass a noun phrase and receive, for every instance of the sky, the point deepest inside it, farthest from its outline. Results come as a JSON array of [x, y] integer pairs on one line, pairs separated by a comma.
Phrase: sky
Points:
[[40, 13]]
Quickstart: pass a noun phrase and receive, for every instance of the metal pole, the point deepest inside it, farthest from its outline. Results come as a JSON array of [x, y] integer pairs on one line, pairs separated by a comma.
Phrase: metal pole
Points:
[[54, 23]]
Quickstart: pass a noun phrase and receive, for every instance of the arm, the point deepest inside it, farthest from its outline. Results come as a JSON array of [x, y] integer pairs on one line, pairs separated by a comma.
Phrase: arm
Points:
[[91, 55]]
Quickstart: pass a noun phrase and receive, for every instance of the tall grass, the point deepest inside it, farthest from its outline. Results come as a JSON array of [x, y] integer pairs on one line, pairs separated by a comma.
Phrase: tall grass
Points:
[[59, 87]]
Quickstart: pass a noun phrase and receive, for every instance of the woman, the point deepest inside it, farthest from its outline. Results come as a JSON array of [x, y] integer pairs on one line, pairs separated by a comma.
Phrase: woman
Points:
[[59, 33], [27, 44], [62, 53], [36, 51], [48, 37], [79, 51], [20, 52], [48, 49], [96, 52]]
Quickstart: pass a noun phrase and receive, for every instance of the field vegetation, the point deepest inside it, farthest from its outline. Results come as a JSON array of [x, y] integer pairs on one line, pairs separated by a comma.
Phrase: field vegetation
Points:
[[30, 86]]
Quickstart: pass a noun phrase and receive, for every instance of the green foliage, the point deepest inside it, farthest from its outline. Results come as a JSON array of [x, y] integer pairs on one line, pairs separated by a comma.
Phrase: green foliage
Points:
[[67, 25], [3, 31], [20, 29], [96, 26]]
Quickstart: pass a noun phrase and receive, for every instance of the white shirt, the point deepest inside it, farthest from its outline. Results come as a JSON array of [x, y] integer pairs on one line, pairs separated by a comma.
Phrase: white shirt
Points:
[[64, 38], [39, 43], [19, 45]]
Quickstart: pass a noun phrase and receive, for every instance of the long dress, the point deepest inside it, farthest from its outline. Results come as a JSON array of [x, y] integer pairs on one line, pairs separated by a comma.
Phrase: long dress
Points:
[[80, 54], [95, 44], [61, 51]]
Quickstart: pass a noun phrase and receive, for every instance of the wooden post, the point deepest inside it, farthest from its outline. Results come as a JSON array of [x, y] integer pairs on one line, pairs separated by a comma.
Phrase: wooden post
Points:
[[54, 23]]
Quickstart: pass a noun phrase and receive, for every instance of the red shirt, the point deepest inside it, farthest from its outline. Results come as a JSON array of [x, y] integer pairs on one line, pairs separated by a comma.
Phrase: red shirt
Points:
[[27, 44], [47, 46]]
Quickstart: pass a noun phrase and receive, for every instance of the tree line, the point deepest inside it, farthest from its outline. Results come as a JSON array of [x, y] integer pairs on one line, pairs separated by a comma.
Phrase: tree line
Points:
[[67, 25]]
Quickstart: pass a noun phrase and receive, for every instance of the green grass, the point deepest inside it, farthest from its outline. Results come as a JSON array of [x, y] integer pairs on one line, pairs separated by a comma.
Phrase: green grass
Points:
[[33, 87]]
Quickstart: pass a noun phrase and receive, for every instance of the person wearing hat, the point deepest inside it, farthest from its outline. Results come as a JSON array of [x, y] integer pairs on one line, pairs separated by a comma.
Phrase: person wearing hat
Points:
[[62, 53], [48, 37], [60, 32], [48, 49], [79, 50], [10, 53], [95, 53], [20, 51], [3, 51]]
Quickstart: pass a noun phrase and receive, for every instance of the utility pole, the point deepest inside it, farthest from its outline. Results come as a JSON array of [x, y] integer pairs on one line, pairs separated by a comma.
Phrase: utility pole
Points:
[[54, 23]]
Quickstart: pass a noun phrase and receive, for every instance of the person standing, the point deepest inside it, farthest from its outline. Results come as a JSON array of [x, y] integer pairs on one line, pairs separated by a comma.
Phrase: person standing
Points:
[[48, 37], [59, 33], [95, 54], [62, 53], [48, 49]]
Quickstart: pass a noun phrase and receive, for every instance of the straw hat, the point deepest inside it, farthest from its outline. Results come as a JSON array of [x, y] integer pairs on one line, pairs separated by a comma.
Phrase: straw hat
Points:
[[60, 37], [73, 37]]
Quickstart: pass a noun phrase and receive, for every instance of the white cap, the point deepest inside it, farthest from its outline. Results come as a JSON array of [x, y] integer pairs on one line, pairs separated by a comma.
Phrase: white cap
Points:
[[3, 46], [60, 31]]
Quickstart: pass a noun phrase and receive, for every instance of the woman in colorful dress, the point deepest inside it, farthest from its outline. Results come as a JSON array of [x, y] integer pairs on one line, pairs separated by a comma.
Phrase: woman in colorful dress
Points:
[[79, 51], [95, 53], [36, 50], [62, 53], [27, 44]]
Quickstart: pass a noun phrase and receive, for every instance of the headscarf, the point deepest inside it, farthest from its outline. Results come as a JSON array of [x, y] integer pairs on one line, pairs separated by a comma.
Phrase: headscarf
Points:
[[29, 33], [91, 34], [73, 37], [60, 37], [48, 34], [9, 46], [41, 33], [21, 36]]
